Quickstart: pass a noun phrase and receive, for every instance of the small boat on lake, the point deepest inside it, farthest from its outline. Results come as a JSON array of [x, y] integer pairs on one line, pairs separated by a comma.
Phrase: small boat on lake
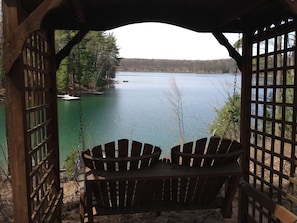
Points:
[[98, 92], [68, 97]]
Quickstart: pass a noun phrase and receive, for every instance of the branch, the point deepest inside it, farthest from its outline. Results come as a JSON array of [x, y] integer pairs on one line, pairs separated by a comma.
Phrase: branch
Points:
[[232, 52], [67, 49]]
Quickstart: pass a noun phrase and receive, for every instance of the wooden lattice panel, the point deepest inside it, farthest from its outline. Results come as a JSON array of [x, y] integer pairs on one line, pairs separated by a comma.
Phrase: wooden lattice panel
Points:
[[44, 191], [273, 116]]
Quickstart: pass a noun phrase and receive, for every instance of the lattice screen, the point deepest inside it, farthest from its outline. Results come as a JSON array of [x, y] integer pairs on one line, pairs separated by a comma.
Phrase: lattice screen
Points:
[[45, 194], [273, 117]]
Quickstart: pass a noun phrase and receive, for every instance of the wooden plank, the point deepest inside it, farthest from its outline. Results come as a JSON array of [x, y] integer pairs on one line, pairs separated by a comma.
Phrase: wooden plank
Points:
[[123, 152], [201, 184], [15, 117], [165, 171], [199, 149], [175, 157], [174, 189], [215, 184], [80, 11], [187, 148], [97, 152], [284, 214], [88, 163], [147, 149], [211, 149], [155, 159], [110, 150], [135, 152], [186, 161], [290, 4], [98, 189]]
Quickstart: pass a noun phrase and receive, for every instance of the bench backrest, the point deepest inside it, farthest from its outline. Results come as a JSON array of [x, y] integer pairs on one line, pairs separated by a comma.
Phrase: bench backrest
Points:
[[116, 157], [199, 154]]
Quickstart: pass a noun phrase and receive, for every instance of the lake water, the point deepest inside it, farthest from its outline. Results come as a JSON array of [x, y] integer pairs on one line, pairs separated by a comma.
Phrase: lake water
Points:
[[137, 108]]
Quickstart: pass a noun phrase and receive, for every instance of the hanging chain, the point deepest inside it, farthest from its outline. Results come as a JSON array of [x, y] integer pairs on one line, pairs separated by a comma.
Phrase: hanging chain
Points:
[[235, 120], [232, 120]]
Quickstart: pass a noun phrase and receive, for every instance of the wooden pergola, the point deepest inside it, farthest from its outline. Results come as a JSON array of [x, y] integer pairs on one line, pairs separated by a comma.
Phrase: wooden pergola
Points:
[[269, 91]]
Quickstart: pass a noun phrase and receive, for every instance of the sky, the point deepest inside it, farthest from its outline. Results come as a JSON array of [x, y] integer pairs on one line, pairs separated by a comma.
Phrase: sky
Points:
[[163, 41]]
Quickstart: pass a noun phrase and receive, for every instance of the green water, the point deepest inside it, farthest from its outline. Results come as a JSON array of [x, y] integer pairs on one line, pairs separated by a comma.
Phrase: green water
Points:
[[139, 110]]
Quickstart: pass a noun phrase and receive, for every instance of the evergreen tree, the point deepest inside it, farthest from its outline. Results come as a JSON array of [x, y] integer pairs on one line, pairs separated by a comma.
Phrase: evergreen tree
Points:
[[90, 62]]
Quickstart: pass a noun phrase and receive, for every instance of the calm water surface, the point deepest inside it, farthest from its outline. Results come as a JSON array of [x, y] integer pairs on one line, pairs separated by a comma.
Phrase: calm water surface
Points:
[[137, 108]]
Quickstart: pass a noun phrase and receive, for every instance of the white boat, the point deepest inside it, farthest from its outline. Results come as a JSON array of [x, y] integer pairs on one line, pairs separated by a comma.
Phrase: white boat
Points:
[[68, 97], [98, 93]]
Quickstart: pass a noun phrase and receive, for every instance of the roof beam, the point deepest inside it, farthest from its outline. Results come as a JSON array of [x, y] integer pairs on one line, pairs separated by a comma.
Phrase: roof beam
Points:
[[236, 12], [290, 4], [80, 12], [13, 45]]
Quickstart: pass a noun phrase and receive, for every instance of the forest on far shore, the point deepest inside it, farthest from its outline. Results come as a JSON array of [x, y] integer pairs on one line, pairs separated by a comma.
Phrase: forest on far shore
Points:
[[178, 66]]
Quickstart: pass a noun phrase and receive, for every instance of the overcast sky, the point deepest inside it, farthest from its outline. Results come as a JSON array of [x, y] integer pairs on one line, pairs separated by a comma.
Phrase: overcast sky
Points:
[[162, 41]]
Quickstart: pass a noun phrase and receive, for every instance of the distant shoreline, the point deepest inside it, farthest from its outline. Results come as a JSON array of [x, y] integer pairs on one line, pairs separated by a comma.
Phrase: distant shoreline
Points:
[[178, 66]]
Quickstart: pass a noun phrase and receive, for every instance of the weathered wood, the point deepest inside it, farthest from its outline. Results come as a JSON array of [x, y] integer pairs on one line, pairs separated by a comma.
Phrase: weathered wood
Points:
[[163, 186], [80, 11], [14, 43], [15, 117], [290, 4]]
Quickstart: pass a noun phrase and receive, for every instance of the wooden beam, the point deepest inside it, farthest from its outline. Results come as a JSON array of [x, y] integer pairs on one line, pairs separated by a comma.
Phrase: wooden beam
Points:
[[66, 50], [290, 4], [13, 45], [237, 11], [232, 52], [80, 12], [15, 117]]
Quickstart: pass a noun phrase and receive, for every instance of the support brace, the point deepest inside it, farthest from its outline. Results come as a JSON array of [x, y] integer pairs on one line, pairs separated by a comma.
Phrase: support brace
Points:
[[66, 50], [232, 52], [13, 45]]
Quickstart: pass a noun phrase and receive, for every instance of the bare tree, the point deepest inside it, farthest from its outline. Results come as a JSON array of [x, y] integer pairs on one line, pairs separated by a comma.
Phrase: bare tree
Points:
[[174, 98]]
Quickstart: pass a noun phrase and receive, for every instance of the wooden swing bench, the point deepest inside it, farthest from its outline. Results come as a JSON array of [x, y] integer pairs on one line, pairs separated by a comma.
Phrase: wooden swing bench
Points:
[[199, 176]]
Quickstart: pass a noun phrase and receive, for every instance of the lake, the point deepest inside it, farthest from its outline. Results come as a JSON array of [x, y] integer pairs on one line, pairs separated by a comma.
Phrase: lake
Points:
[[137, 108]]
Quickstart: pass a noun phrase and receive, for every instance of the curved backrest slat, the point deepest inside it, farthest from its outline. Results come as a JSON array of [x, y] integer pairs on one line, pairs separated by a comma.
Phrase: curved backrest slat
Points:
[[97, 152], [115, 156], [120, 156], [135, 152], [123, 152], [204, 154], [187, 148], [199, 149], [217, 152], [147, 149], [211, 149]]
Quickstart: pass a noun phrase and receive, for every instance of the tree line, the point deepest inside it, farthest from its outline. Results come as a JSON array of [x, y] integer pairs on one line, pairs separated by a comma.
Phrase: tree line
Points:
[[181, 66], [90, 64]]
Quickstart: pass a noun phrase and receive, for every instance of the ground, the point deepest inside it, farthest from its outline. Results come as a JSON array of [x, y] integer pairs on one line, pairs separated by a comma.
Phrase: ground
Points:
[[70, 212]]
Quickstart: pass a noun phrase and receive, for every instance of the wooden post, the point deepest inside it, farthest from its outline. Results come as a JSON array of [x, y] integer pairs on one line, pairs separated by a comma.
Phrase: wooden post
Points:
[[245, 120], [15, 121]]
